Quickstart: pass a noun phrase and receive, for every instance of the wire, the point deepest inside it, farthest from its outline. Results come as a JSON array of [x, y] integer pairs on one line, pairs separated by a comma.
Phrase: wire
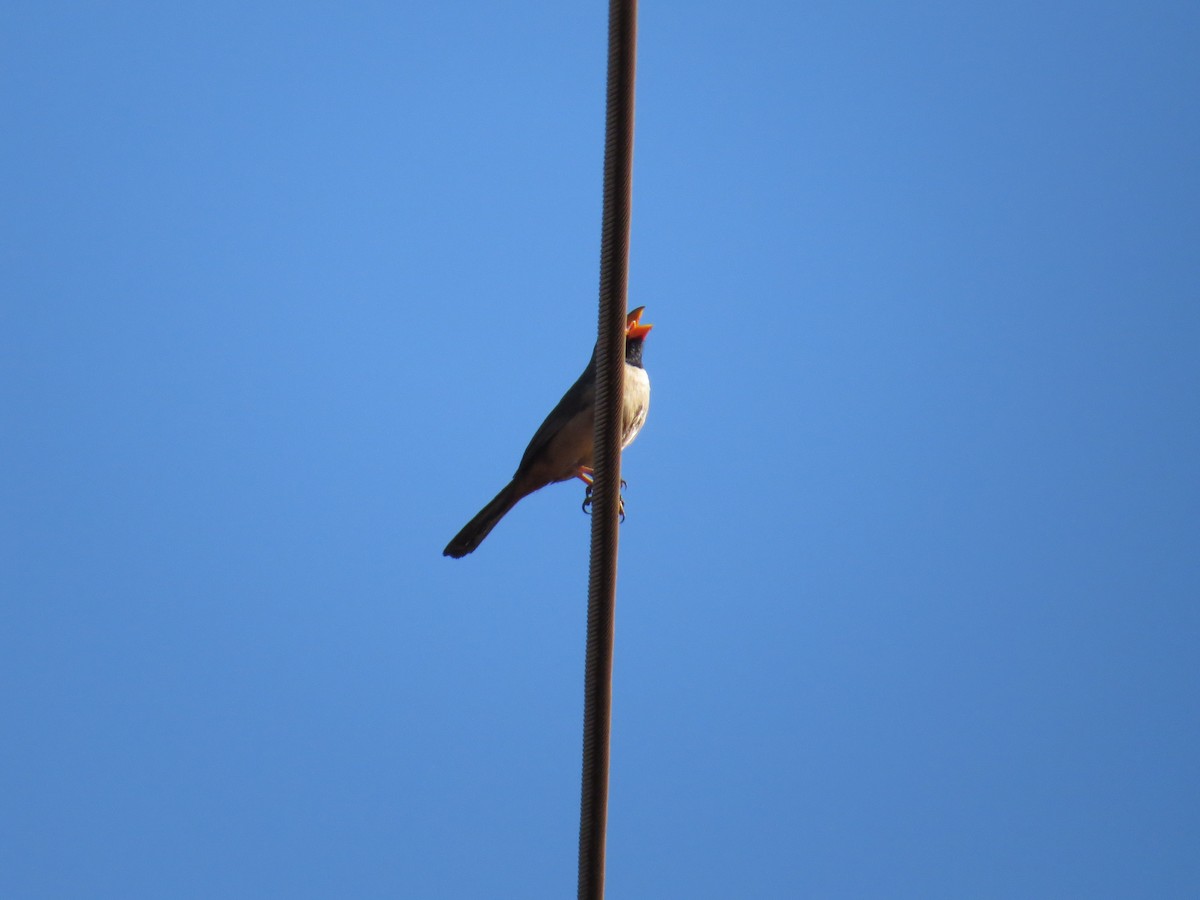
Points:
[[610, 368]]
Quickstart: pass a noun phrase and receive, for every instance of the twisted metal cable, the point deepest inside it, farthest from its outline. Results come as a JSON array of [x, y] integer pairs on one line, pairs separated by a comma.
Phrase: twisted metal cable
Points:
[[610, 367]]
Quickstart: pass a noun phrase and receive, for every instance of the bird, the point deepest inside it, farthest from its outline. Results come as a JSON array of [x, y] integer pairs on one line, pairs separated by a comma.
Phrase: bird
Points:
[[562, 448]]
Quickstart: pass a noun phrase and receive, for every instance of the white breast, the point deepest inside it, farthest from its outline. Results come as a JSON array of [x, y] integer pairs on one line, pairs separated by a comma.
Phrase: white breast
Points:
[[637, 403]]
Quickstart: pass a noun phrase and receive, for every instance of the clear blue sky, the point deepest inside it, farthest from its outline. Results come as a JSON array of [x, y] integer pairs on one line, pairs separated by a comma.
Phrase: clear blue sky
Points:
[[910, 578]]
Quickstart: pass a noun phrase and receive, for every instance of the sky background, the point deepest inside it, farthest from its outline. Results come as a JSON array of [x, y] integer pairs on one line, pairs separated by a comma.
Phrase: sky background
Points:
[[910, 578]]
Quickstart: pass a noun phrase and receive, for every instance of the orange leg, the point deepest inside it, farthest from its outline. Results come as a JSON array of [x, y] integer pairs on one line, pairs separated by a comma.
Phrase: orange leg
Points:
[[588, 476]]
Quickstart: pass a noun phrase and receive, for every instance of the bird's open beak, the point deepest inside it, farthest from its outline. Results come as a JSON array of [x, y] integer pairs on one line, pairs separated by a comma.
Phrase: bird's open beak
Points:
[[633, 325]]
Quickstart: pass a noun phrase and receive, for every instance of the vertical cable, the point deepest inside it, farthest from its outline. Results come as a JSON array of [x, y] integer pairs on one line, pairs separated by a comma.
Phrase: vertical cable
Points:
[[610, 367]]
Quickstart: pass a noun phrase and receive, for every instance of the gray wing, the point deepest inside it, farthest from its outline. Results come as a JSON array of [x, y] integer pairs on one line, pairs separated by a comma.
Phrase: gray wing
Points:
[[582, 393]]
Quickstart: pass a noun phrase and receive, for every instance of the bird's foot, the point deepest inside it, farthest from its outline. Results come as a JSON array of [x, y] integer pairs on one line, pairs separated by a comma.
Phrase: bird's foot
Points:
[[587, 499]]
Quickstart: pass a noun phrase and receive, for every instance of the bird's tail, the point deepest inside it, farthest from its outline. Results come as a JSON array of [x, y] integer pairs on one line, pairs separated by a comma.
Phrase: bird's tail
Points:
[[485, 520]]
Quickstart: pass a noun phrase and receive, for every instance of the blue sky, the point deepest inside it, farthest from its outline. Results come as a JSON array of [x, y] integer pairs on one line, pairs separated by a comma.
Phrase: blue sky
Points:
[[909, 581]]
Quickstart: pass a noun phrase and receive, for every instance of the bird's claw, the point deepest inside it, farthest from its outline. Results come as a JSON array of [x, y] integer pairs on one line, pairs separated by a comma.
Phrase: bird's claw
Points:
[[587, 500]]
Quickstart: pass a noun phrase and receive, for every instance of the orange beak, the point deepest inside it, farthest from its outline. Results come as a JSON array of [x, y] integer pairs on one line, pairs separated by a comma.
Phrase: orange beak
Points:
[[633, 324]]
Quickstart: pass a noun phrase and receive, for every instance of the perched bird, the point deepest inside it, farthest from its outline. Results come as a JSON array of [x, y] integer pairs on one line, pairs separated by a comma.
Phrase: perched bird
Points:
[[562, 448]]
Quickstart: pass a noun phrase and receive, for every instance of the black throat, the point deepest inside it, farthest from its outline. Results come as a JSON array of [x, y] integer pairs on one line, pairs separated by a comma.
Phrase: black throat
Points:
[[633, 351]]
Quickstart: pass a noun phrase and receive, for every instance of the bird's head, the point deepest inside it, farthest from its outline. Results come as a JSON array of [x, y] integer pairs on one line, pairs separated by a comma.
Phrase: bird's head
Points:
[[635, 335]]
